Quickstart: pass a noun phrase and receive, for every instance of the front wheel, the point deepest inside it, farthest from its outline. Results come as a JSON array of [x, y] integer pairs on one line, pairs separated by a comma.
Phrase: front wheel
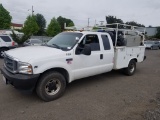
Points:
[[51, 86], [130, 70]]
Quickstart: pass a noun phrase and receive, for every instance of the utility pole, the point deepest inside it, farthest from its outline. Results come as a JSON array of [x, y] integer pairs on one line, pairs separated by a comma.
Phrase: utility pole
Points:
[[88, 22], [95, 23], [32, 10], [101, 22]]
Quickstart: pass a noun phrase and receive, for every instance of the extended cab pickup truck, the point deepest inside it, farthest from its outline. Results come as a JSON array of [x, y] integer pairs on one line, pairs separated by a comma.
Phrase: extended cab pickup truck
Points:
[[67, 57]]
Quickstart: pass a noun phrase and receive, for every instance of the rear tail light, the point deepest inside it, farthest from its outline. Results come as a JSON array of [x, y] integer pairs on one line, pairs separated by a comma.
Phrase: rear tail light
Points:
[[13, 43]]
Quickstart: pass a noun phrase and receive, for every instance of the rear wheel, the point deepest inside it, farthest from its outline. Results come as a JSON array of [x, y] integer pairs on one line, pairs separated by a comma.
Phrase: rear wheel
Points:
[[2, 50], [130, 70], [51, 86]]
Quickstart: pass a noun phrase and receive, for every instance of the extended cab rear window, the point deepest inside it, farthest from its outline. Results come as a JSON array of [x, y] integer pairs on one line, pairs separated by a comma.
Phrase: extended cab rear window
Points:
[[5, 38], [106, 43]]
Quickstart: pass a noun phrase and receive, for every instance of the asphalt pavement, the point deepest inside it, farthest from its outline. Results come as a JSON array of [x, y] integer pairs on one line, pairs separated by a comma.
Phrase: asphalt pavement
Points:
[[109, 96]]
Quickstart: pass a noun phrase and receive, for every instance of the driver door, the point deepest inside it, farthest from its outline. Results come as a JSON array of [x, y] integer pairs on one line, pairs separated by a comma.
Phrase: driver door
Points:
[[88, 65]]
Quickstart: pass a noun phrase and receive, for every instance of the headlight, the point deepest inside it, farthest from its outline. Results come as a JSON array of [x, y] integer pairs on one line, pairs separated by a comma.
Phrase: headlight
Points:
[[24, 68]]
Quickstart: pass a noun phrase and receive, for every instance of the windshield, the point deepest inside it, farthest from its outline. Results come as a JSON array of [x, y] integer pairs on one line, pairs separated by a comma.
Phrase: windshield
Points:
[[65, 40]]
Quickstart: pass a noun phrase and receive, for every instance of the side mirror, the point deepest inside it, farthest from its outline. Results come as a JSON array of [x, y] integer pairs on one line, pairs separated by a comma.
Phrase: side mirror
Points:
[[86, 50]]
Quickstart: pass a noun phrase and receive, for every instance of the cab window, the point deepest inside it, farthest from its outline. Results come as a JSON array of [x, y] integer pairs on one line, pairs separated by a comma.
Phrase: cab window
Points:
[[92, 40], [106, 43]]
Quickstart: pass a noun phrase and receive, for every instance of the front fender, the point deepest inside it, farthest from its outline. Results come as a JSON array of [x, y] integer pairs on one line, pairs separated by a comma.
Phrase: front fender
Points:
[[50, 65]]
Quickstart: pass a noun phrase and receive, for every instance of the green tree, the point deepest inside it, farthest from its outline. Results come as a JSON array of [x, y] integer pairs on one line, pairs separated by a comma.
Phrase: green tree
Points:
[[18, 39], [41, 21], [53, 28], [30, 26], [94, 28], [158, 33], [5, 18], [113, 19], [70, 24], [61, 20], [133, 23]]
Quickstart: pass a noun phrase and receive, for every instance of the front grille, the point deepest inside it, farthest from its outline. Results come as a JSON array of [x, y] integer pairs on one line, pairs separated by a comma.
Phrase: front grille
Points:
[[10, 64]]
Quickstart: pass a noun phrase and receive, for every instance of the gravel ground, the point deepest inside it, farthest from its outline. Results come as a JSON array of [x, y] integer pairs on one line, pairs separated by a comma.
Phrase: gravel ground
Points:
[[110, 96]]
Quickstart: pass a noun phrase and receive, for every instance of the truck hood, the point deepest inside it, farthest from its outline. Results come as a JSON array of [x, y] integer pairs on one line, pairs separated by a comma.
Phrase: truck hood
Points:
[[25, 54]]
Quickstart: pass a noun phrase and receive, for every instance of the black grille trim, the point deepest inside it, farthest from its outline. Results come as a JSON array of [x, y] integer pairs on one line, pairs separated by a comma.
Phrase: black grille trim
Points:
[[10, 64]]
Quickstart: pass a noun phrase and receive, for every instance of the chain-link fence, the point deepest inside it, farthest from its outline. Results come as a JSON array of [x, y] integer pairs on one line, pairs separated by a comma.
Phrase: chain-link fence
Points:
[[44, 39]]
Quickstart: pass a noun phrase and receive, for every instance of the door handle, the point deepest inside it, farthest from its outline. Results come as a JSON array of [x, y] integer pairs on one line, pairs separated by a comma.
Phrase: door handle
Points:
[[101, 56]]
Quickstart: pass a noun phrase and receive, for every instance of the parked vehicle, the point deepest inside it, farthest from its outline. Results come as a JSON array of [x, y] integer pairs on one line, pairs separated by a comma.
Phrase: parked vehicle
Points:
[[152, 45], [6, 43], [70, 56], [33, 42]]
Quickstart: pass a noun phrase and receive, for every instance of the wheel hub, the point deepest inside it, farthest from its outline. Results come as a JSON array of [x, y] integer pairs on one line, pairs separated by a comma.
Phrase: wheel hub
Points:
[[52, 87]]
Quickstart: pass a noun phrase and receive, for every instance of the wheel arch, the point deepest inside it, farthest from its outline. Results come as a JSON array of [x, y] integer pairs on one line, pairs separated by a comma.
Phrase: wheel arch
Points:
[[135, 59], [63, 71]]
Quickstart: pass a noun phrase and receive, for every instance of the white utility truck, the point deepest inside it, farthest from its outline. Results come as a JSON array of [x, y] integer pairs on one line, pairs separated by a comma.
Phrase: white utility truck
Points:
[[70, 56]]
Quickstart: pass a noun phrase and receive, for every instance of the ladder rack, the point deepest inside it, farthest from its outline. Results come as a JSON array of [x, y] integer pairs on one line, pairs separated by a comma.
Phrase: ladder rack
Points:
[[123, 28]]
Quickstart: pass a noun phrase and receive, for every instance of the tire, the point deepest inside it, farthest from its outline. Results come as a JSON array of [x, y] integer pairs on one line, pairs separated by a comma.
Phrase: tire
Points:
[[1, 51], [51, 86], [130, 70], [151, 48]]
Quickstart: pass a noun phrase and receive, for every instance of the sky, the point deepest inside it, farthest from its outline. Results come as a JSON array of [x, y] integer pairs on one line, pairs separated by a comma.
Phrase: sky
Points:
[[146, 12]]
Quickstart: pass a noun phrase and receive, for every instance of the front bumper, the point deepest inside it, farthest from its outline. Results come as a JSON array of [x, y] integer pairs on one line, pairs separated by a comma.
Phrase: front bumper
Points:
[[22, 82]]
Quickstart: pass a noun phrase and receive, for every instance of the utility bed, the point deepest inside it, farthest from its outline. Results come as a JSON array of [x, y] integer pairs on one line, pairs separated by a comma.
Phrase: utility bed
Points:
[[124, 54], [128, 43]]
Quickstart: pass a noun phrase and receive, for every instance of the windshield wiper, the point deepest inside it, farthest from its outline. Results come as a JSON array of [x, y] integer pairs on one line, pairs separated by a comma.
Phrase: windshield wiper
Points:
[[57, 46]]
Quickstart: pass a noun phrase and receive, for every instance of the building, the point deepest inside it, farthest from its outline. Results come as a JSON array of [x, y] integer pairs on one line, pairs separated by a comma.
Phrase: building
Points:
[[151, 31], [16, 26], [8, 32]]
